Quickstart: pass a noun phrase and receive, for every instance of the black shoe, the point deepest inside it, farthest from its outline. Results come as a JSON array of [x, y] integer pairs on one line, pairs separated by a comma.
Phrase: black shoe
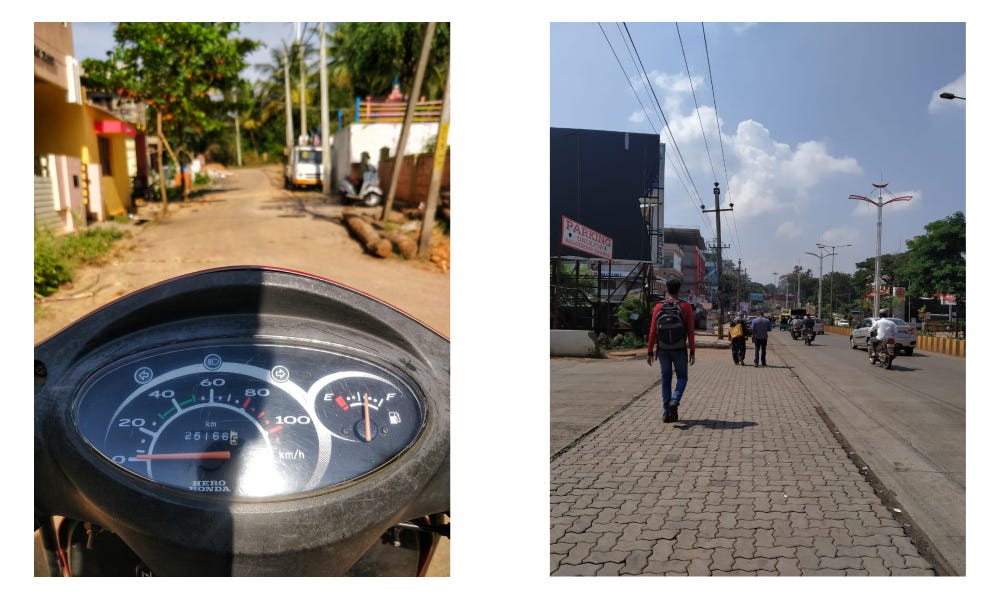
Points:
[[671, 414], [763, 364], [666, 418]]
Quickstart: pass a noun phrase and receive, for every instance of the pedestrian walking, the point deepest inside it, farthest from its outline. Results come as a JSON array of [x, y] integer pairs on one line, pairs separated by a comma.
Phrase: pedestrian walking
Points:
[[738, 331], [671, 341], [760, 326]]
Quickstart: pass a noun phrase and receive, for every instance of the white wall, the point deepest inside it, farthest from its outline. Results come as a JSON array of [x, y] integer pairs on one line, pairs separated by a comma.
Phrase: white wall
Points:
[[371, 137]]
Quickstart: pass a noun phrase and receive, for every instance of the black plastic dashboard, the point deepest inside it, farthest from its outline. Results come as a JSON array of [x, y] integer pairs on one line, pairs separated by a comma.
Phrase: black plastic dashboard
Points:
[[243, 421]]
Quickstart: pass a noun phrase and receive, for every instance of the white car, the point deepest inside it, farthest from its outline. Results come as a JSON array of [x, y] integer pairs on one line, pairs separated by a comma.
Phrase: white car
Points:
[[906, 336]]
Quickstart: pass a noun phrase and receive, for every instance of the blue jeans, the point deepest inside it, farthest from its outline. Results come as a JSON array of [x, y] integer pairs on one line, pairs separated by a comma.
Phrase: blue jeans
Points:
[[760, 349], [670, 361]]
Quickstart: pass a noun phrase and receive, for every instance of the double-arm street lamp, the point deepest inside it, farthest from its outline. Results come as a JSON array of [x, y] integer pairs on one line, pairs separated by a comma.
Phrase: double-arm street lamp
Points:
[[833, 271], [878, 238], [820, 256]]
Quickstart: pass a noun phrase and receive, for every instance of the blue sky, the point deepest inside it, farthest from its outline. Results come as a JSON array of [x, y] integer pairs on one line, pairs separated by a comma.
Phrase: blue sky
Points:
[[809, 113]]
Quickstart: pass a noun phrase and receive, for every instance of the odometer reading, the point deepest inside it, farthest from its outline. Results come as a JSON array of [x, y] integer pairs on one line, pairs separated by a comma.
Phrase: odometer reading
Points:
[[241, 420]]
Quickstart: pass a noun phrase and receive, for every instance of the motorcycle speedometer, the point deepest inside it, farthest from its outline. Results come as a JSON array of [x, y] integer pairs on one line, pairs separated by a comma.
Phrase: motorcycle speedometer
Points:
[[248, 419]]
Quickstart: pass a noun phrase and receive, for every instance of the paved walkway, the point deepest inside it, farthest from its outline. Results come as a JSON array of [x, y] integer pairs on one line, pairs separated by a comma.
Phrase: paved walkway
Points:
[[742, 484]]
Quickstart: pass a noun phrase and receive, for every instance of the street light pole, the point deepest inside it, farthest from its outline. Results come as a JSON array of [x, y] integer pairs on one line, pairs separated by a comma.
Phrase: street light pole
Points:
[[878, 237], [819, 301], [950, 96], [833, 270], [798, 290]]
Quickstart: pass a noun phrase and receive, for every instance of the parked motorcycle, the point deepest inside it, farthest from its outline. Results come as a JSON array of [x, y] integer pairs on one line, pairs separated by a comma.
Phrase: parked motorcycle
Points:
[[366, 191], [808, 335], [882, 353], [241, 421]]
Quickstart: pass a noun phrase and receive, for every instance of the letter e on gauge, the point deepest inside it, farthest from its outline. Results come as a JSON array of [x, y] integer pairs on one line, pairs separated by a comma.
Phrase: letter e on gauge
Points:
[[582, 238]]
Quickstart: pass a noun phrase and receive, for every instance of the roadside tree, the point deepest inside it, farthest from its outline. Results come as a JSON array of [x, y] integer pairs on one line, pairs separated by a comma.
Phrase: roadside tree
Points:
[[184, 72]]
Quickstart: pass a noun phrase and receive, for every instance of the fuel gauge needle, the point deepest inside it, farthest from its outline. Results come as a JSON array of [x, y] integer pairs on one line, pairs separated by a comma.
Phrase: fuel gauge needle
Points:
[[368, 423], [223, 455]]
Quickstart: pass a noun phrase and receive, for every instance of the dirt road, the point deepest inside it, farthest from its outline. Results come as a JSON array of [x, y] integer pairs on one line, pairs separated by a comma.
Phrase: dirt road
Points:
[[249, 219]]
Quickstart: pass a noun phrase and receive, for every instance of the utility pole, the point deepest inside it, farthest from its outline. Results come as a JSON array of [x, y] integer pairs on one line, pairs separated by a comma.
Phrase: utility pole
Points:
[[798, 290], [718, 250], [878, 237], [411, 106], [440, 153], [289, 135], [302, 83], [739, 277], [324, 111]]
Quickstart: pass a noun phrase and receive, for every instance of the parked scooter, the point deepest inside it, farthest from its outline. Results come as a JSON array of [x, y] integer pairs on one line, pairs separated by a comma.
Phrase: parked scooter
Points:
[[882, 353], [242, 421], [365, 190]]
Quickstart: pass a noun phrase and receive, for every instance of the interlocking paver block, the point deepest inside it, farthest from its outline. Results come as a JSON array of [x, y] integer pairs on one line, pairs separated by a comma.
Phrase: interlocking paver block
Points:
[[788, 566], [875, 566], [773, 494], [840, 563], [584, 569], [722, 559], [610, 569]]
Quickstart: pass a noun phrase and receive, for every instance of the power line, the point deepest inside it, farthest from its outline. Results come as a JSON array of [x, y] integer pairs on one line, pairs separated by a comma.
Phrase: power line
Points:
[[660, 108], [627, 78], [722, 150], [695, 98], [655, 129]]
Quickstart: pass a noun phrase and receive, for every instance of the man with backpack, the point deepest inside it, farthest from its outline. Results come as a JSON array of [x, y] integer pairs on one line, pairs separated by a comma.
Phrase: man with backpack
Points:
[[671, 341]]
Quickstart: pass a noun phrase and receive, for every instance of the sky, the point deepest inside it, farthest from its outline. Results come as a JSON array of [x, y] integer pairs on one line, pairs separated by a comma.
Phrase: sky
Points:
[[808, 114]]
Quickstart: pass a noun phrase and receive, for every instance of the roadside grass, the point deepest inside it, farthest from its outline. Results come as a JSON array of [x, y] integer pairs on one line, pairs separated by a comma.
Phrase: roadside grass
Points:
[[58, 256]]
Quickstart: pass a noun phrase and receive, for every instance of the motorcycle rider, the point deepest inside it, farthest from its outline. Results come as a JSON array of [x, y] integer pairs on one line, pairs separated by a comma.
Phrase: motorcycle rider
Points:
[[808, 323], [882, 329]]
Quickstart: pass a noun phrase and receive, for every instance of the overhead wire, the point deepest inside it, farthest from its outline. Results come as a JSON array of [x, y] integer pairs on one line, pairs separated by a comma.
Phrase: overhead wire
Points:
[[670, 132], [656, 130], [694, 97], [722, 150]]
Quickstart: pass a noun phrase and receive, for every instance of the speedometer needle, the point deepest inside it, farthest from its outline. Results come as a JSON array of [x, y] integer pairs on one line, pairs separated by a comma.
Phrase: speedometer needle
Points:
[[368, 424], [223, 455]]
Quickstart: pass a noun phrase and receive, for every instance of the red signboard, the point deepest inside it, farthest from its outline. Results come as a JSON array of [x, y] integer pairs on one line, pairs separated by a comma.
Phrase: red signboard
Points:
[[948, 299], [108, 127], [575, 235]]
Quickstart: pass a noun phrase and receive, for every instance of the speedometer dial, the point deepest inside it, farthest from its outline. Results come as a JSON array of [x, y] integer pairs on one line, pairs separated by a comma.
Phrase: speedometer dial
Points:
[[235, 420]]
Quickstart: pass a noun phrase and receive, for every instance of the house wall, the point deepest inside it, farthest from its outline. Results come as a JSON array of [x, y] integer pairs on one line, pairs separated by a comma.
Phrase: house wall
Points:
[[350, 142]]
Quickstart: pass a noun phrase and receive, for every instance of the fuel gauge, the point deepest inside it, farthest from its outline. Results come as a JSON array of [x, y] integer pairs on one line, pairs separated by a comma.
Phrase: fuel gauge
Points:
[[375, 410]]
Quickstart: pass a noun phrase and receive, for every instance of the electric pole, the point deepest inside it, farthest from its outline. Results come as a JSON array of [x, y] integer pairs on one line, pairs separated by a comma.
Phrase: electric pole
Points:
[[324, 111], [718, 250]]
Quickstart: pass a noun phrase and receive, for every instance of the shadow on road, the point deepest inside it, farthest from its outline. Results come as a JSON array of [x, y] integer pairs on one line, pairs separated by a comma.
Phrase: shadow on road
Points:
[[713, 424]]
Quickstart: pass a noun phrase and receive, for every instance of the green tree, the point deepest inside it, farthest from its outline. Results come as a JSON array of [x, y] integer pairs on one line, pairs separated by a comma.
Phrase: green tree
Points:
[[183, 71], [370, 56], [937, 258]]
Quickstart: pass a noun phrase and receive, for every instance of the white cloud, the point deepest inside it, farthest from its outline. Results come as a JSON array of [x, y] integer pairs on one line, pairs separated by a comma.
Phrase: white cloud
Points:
[[842, 236], [938, 104], [789, 230], [765, 175], [741, 28], [637, 117]]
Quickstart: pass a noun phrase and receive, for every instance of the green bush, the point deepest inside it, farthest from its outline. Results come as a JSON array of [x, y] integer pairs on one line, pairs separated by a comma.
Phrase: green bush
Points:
[[56, 257], [51, 270]]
